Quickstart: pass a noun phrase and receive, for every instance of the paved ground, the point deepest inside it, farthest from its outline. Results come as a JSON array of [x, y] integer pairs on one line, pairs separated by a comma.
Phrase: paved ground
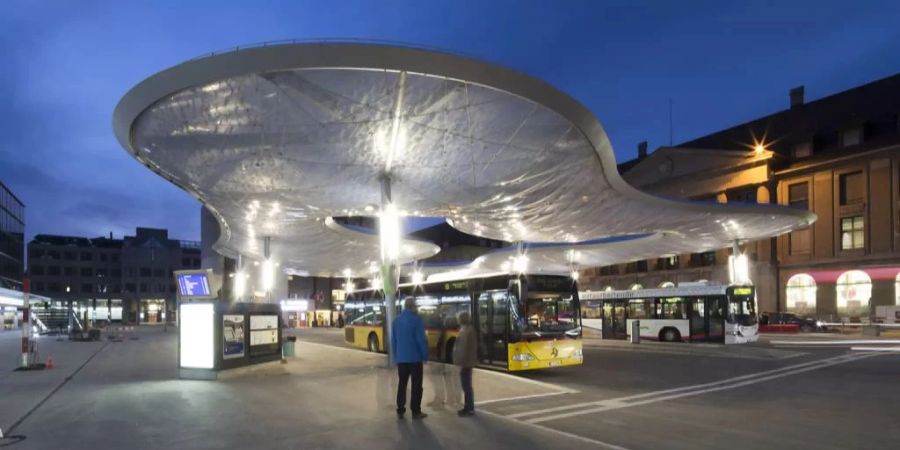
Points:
[[650, 396], [658, 395]]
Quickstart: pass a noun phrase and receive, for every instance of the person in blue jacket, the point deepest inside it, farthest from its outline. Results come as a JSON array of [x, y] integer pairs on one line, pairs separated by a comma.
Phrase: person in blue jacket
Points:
[[410, 349]]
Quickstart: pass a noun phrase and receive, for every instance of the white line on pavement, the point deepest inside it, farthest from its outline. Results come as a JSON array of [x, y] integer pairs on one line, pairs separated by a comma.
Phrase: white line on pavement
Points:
[[600, 444], [521, 397], [680, 389], [839, 342], [618, 403], [876, 349]]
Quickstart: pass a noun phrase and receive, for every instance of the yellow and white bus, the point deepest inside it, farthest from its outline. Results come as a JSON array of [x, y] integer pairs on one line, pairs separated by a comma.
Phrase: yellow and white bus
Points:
[[523, 322]]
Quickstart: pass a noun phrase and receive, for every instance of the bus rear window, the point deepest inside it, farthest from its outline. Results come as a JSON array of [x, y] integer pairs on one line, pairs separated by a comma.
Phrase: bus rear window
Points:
[[550, 312]]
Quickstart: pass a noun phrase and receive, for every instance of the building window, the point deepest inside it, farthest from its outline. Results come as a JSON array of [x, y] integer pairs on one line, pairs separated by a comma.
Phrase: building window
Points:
[[143, 287], [69, 271], [86, 271], [854, 289], [802, 150], [38, 287], [851, 136], [798, 197], [130, 287], [53, 271], [87, 256], [37, 270], [87, 288], [146, 272], [852, 233], [117, 273], [667, 263], [897, 290], [801, 294], [69, 256], [103, 257], [852, 186], [36, 253], [158, 273], [703, 259], [746, 195], [101, 272]]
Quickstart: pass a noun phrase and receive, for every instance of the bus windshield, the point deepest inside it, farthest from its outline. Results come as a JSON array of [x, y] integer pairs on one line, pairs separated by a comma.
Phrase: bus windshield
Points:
[[741, 310], [550, 312]]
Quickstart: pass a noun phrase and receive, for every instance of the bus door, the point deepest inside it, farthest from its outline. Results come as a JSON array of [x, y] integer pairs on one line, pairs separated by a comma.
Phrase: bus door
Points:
[[613, 319], [493, 323], [715, 311], [698, 323]]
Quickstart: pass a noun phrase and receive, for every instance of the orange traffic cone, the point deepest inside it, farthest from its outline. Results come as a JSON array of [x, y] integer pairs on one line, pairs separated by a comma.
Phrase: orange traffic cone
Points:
[[49, 364]]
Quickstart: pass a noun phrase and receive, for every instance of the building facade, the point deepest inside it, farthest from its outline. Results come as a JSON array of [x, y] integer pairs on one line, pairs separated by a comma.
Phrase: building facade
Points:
[[12, 239], [838, 157], [128, 280], [12, 253]]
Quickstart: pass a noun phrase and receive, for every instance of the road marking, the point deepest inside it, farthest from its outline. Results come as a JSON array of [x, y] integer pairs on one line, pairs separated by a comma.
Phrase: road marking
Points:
[[680, 389], [612, 404], [521, 397], [839, 342], [876, 349], [587, 440]]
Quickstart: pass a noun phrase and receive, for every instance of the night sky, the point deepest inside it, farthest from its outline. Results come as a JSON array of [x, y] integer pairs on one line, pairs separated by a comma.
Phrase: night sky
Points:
[[66, 64]]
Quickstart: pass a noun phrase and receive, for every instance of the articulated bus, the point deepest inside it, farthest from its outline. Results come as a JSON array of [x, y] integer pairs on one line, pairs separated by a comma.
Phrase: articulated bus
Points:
[[523, 322], [697, 313]]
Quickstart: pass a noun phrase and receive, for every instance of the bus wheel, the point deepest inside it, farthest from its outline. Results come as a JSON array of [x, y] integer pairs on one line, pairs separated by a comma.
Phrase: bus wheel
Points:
[[670, 335], [448, 351], [373, 343]]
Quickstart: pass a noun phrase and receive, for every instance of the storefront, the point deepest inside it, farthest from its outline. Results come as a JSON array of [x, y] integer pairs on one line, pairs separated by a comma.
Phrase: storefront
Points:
[[842, 294]]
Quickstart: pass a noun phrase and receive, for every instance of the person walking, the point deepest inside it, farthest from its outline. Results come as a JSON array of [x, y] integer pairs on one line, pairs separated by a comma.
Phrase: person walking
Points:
[[465, 355], [410, 349]]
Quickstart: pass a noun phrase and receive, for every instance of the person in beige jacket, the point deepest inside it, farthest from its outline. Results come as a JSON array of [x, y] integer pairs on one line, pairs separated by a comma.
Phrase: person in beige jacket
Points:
[[465, 355]]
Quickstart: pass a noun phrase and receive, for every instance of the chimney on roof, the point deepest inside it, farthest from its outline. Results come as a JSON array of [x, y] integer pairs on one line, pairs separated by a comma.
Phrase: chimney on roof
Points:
[[796, 97], [642, 149]]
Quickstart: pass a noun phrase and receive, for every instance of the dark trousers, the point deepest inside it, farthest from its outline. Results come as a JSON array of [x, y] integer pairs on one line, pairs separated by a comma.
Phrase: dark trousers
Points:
[[405, 370], [465, 378]]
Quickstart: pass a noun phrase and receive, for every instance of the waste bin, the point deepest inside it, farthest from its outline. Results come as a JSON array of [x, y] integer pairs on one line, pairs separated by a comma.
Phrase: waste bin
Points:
[[287, 347], [635, 331]]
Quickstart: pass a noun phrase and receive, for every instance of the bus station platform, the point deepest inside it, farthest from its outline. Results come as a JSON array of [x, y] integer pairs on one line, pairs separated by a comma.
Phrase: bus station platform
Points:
[[127, 395]]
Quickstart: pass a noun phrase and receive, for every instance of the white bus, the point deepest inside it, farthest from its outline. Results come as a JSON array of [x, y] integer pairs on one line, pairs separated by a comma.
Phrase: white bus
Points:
[[696, 313]]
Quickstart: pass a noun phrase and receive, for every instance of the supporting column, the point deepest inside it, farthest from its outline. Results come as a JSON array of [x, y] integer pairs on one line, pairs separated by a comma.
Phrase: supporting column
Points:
[[390, 276], [26, 323]]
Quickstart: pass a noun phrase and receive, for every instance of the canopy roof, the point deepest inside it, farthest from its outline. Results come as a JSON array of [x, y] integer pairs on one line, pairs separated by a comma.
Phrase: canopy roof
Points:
[[276, 140]]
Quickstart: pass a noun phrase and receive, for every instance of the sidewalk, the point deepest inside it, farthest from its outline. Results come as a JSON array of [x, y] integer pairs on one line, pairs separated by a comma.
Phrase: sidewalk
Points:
[[128, 396]]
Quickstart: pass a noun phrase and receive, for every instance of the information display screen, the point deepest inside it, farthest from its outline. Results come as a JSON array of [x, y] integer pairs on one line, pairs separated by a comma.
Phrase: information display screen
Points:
[[193, 285]]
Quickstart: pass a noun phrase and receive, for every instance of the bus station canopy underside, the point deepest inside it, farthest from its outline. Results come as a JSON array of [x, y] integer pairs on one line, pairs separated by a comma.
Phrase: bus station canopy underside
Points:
[[276, 140]]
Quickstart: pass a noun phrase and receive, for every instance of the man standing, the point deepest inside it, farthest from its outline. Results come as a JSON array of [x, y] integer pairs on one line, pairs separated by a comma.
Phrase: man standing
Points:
[[410, 349], [465, 355]]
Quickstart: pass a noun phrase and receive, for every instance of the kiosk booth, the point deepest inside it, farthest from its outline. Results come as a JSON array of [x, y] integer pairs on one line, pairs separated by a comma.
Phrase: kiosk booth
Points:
[[214, 335]]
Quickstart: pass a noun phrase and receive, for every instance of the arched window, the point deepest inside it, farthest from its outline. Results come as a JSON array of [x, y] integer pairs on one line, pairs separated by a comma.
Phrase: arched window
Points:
[[897, 290], [667, 284], [854, 288], [608, 288], [801, 294], [635, 287]]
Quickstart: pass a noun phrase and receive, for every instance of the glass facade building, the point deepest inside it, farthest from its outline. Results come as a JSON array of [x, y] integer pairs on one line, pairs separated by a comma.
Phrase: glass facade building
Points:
[[12, 239]]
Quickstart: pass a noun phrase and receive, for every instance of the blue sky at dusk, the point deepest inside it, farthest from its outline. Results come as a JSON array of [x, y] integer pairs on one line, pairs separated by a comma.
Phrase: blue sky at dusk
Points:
[[66, 65]]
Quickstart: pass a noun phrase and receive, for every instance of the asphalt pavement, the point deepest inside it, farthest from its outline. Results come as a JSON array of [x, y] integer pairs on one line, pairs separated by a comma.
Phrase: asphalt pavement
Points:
[[689, 396]]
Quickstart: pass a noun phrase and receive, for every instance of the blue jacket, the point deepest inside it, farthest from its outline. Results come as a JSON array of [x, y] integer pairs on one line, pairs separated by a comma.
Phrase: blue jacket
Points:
[[408, 338]]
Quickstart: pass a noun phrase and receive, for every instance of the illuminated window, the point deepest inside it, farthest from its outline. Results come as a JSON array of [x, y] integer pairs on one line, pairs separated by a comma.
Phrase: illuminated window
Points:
[[667, 284], [852, 233], [854, 288], [636, 286], [897, 290], [801, 294]]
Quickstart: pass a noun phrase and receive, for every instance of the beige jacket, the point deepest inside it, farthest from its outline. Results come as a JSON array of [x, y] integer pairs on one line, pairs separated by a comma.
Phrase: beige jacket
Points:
[[465, 350]]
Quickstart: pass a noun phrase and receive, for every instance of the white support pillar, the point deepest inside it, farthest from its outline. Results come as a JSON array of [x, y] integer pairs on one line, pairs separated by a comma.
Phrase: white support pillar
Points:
[[390, 276], [26, 324]]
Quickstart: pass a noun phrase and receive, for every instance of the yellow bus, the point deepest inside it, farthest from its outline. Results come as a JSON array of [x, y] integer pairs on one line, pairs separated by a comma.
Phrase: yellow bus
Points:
[[523, 322]]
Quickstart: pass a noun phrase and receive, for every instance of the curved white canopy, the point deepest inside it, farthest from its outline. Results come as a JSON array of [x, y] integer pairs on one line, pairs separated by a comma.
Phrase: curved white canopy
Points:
[[276, 140]]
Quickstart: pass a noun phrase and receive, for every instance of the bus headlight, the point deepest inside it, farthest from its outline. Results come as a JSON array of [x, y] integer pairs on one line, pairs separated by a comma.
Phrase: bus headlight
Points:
[[523, 357]]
